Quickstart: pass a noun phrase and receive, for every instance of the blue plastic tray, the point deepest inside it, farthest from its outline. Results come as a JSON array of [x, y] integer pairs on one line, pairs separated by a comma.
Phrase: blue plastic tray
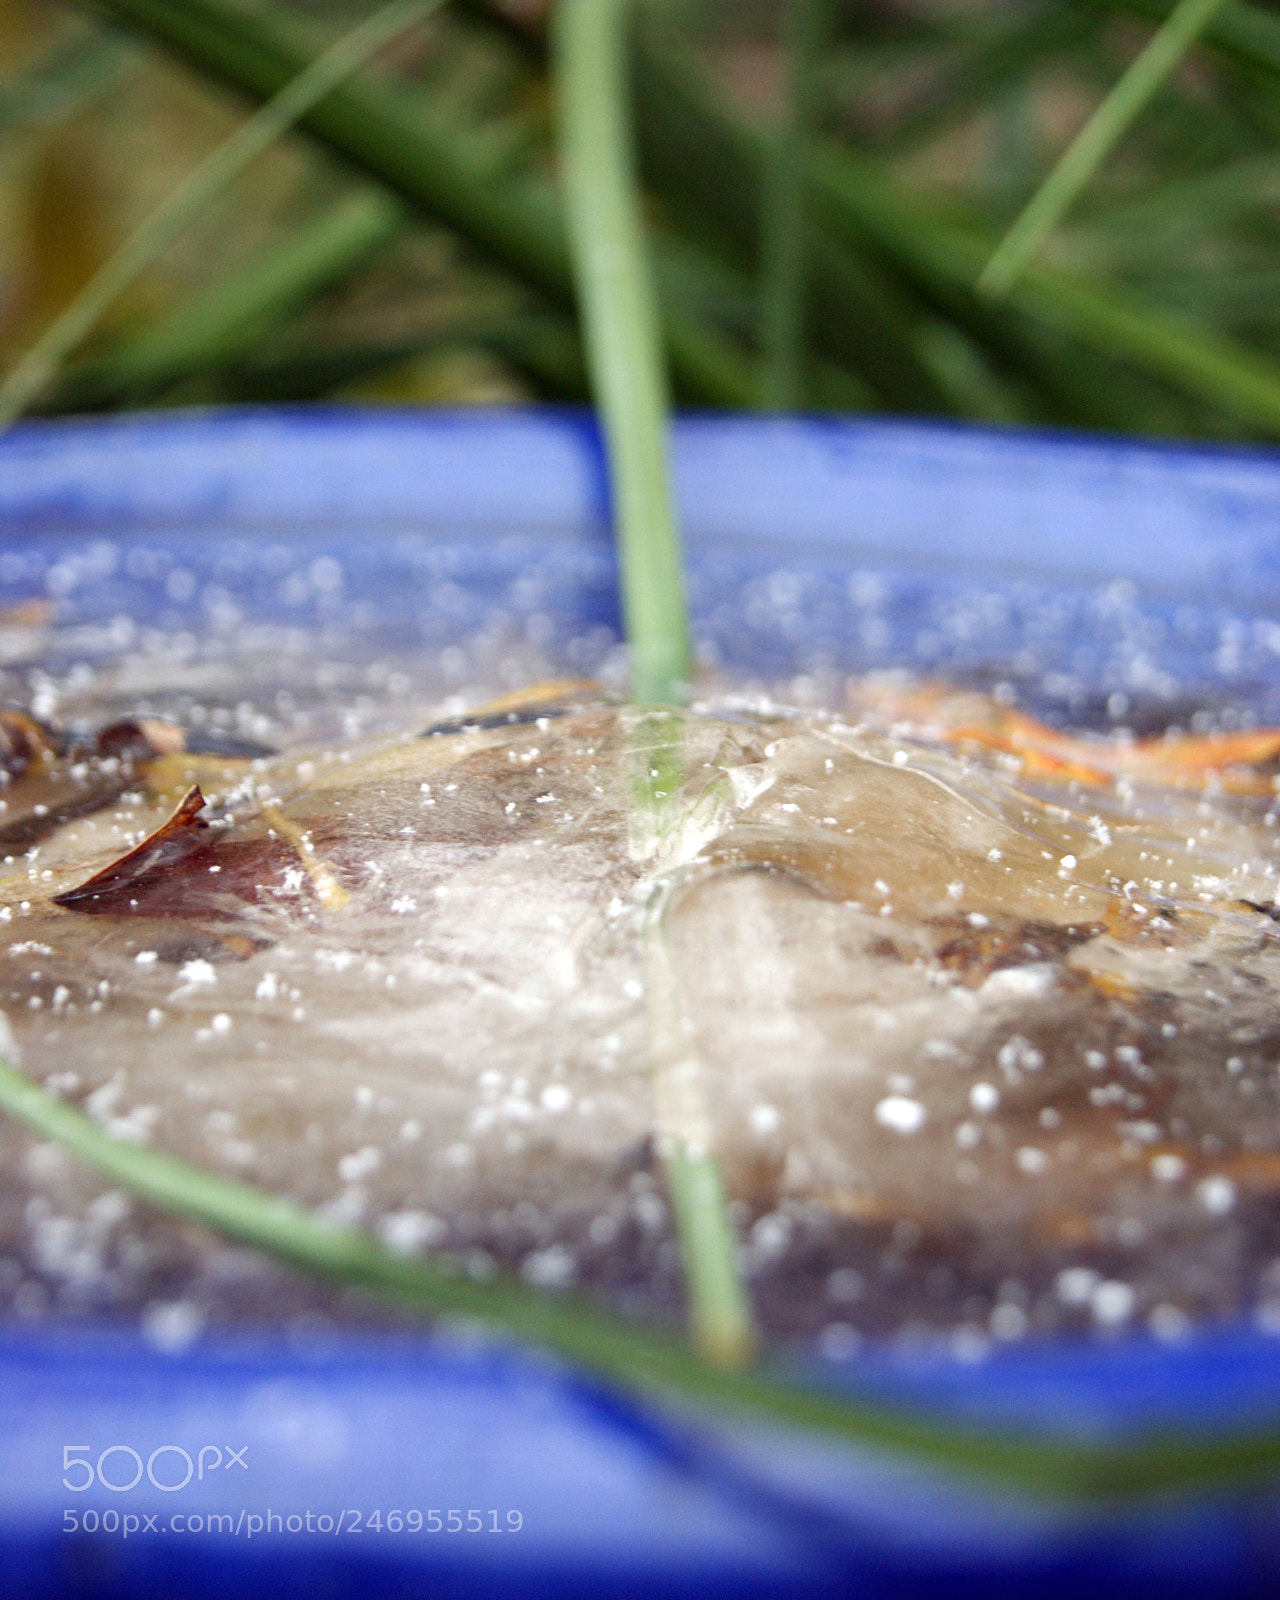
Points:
[[1079, 569]]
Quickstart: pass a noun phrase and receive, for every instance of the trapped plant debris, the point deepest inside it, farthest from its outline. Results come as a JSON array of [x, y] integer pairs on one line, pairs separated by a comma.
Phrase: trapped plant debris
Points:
[[977, 1018]]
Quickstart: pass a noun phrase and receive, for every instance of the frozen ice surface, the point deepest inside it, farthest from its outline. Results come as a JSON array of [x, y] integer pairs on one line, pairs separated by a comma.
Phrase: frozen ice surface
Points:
[[963, 1037]]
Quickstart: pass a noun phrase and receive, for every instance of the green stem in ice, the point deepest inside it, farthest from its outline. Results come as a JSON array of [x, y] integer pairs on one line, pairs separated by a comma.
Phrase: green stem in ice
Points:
[[619, 312], [668, 832], [719, 1313], [1094, 142]]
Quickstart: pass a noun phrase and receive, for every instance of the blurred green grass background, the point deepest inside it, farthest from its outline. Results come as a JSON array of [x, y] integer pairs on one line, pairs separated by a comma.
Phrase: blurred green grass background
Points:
[[824, 182]]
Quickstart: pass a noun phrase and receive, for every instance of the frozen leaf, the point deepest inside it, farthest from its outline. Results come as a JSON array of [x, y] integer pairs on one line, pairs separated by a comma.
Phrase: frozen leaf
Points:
[[978, 1066]]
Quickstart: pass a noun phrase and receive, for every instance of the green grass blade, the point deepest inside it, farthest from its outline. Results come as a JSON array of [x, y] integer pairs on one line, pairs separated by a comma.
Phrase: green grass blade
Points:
[[708, 166], [1116, 324], [720, 1313], [192, 194], [1252, 297], [542, 346], [871, 309], [446, 173], [783, 213], [620, 316], [386, 133], [225, 322], [619, 312], [1245, 33], [1000, 61], [70, 75], [1094, 142], [640, 1359], [1181, 206]]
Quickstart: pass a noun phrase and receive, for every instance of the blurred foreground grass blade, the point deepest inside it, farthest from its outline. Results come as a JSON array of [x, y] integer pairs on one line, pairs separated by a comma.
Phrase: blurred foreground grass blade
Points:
[[880, 345], [637, 1358], [378, 129], [214, 328], [1094, 142], [187, 199], [446, 173], [783, 253]]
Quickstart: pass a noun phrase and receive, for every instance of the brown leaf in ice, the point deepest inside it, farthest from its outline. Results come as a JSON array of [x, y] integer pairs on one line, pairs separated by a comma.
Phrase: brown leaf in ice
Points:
[[172, 840]]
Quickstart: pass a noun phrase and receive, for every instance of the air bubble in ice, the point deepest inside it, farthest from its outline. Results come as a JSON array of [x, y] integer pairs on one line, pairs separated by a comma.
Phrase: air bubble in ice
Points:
[[1217, 1195], [1017, 1054], [1007, 1321], [360, 1164], [901, 1114], [603, 1229], [764, 1120], [197, 973], [772, 1233], [406, 1233], [552, 1268], [172, 1326], [650, 1211], [1112, 1302], [1168, 1323], [1074, 1285], [1022, 983]]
